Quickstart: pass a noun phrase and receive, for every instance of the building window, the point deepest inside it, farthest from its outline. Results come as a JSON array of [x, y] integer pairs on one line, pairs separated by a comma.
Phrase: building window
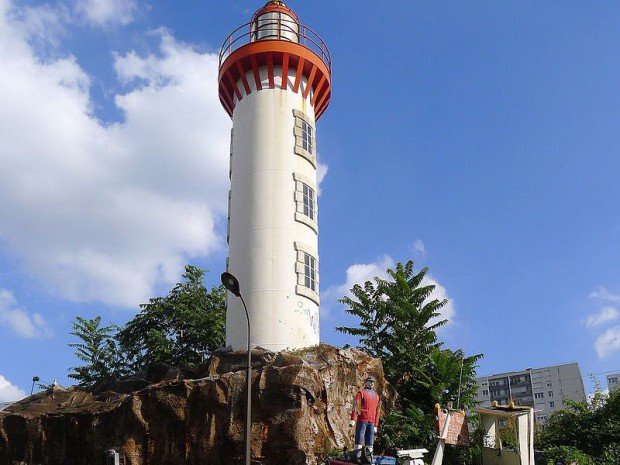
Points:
[[538, 395], [310, 272], [305, 201], [613, 380], [231, 156], [485, 392], [308, 201], [307, 272], [550, 393], [305, 137], [552, 404]]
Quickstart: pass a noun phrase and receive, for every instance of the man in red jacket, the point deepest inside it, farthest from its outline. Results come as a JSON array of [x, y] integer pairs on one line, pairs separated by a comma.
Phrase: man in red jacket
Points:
[[366, 412]]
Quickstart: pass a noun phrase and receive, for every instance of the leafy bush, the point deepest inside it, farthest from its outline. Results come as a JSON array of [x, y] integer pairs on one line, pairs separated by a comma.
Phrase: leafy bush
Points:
[[610, 455], [567, 455], [181, 329]]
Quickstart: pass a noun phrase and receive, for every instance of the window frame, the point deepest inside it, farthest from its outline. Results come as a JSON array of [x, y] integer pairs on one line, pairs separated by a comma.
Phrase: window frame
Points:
[[300, 205], [310, 272], [307, 269], [309, 201], [305, 137]]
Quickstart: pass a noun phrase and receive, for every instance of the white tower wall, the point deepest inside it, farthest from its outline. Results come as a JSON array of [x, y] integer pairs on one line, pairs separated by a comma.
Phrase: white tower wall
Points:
[[263, 230]]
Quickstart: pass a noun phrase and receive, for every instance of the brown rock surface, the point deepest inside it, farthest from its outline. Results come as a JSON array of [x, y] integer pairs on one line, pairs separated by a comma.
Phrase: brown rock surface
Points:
[[301, 404]]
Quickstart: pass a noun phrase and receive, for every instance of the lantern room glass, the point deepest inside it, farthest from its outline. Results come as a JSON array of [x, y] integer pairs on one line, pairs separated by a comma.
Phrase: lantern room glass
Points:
[[275, 25]]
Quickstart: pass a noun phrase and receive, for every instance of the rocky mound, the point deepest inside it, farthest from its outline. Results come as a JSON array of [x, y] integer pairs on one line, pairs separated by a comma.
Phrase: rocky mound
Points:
[[301, 404]]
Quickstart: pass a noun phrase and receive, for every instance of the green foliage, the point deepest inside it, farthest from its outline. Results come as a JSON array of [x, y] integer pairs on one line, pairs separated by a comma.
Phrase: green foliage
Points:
[[567, 455], [508, 435], [471, 455], [98, 350], [397, 323], [610, 455], [454, 377], [395, 317], [401, 427], [179, 329], [591, 428]]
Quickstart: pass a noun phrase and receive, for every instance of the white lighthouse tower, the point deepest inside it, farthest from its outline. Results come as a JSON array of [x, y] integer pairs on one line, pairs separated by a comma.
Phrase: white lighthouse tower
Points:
[[275, 83]]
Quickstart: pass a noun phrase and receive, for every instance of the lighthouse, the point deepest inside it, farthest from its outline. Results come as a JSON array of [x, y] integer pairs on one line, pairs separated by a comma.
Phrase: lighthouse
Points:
[[275, 83]]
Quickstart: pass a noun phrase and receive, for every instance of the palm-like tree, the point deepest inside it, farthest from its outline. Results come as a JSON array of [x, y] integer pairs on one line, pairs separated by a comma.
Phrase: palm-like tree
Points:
[[398, 322]]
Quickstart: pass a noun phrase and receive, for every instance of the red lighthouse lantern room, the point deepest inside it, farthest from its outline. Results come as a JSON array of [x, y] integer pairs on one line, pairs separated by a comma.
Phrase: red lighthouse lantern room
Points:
[[275, 41]]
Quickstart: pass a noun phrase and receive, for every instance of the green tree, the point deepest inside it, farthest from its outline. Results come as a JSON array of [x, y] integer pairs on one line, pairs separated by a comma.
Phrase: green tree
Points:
[[610, 455], [591, 428], [567, 455], [181, 329], [453, 377], [398, 320], [98, 349]]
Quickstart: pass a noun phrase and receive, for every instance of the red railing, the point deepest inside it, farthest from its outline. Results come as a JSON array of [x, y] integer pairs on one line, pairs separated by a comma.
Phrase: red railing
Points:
[[276, 29]]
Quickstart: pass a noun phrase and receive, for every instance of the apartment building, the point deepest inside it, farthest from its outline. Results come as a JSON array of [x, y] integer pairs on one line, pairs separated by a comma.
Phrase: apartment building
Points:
[[545, 388], [612, 382]]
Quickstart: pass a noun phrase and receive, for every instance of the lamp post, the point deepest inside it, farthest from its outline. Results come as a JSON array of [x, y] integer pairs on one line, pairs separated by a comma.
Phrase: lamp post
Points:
[[232, 284], [34, 380]]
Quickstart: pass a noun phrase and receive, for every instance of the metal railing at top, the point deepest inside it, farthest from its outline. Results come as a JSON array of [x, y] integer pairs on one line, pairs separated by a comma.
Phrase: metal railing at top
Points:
[[276, 29]]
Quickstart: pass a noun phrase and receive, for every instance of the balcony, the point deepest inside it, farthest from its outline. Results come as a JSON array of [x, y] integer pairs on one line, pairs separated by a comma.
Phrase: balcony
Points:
[[277, 29]]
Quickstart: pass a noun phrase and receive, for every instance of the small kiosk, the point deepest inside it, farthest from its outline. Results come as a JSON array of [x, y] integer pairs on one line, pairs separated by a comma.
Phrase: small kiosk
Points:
[[492, 420]]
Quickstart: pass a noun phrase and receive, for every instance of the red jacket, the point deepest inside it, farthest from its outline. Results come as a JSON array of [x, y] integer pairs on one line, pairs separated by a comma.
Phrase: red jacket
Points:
[[367, 407]]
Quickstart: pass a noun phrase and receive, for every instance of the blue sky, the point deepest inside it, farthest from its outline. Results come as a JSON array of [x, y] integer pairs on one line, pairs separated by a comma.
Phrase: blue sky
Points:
[[478, 138]]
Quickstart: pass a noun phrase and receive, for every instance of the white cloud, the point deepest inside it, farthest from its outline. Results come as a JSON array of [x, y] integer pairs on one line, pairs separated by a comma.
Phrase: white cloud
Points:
[[448, 312], [106, 12], [44, 25], [608, 342], [605, 315], [418, 247], [321, 172], [604, 294], [106, 212], [19, 320], [9, 392], [359, 273]]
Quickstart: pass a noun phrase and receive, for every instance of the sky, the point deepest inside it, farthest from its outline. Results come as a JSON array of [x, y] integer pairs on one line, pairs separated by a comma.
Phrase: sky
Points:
[[479, 139]]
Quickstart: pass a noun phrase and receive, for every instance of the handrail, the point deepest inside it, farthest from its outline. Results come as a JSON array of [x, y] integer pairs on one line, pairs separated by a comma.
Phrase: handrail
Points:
[[280, 29]]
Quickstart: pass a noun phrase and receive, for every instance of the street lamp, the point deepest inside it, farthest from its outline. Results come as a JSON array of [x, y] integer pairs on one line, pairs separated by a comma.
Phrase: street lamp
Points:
[[232, 284], [34, 380]]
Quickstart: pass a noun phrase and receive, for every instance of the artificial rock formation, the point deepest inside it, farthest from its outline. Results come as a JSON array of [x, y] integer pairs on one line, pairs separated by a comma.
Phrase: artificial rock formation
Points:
[[301, 404]]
